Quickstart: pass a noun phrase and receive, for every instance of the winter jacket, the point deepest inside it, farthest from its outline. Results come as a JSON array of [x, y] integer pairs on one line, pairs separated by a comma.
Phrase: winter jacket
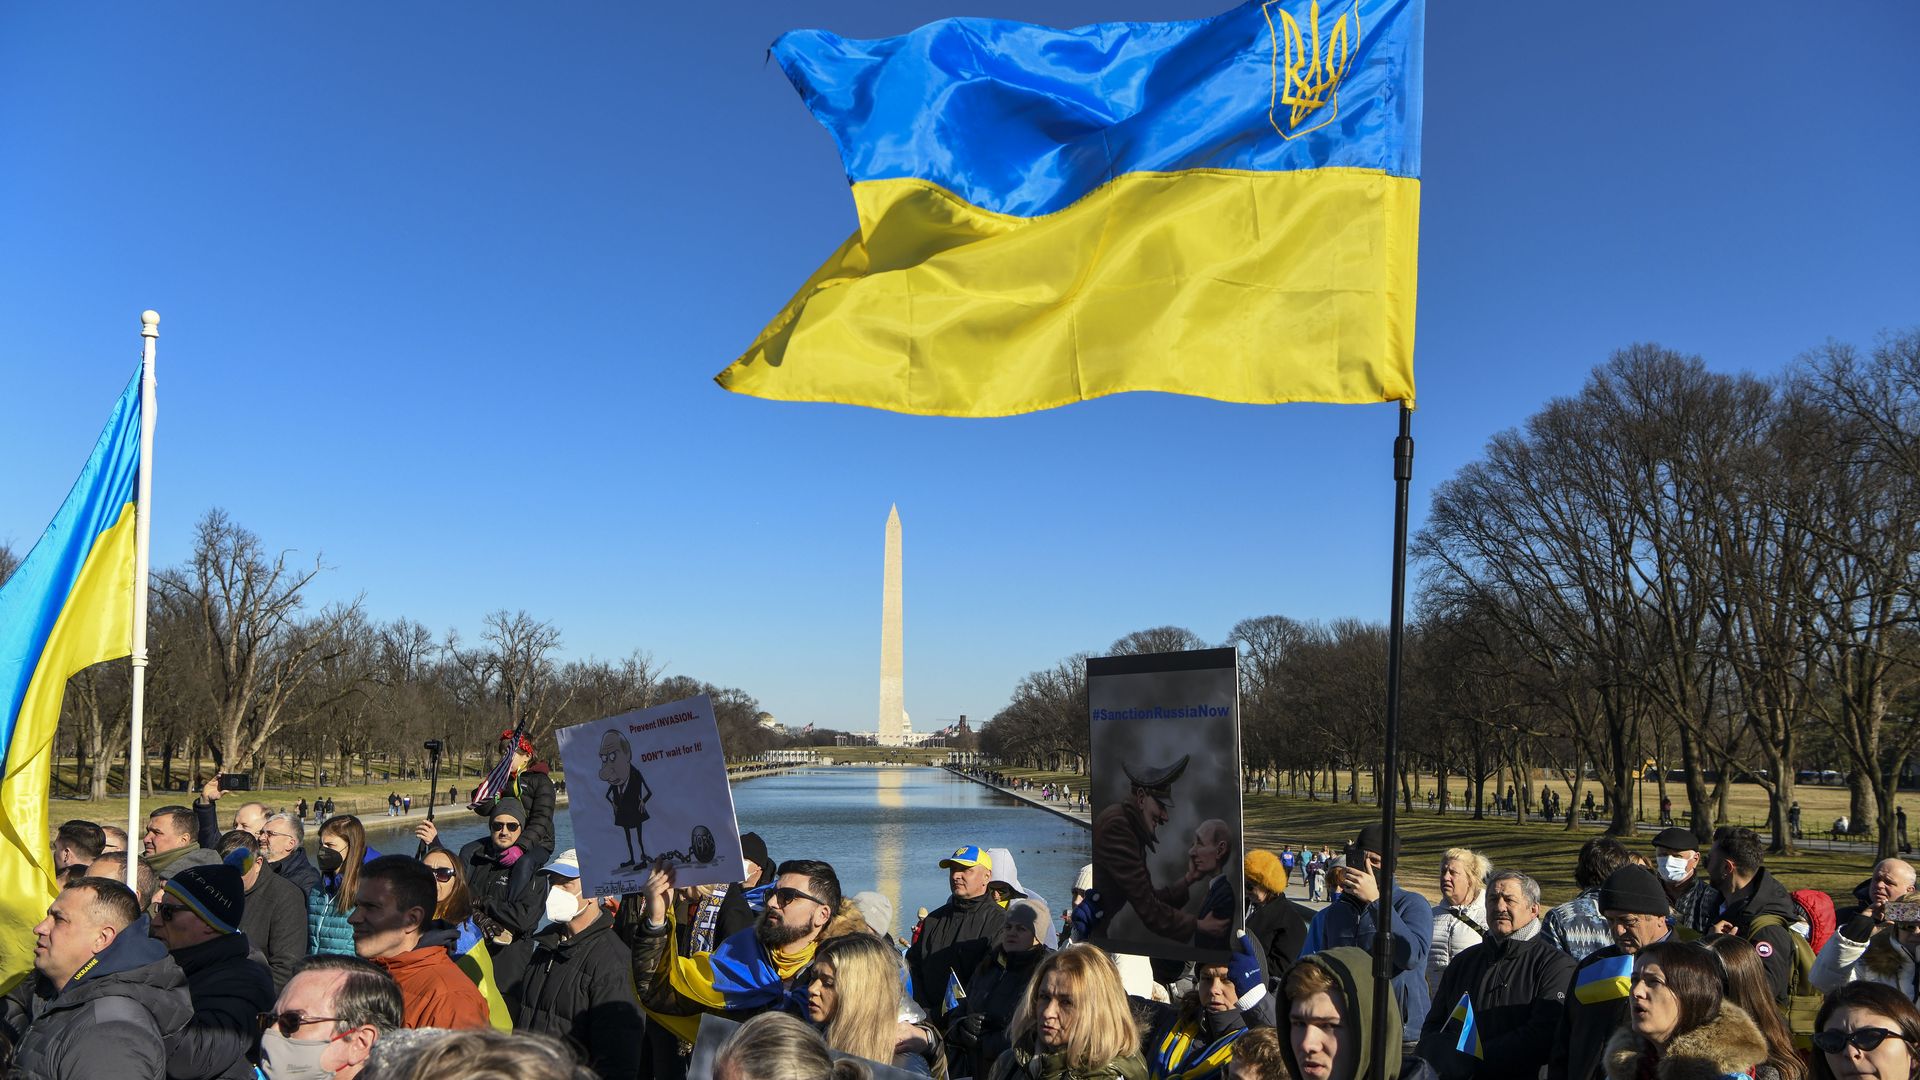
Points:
[[1764, 895], [534, 788], [112, 1021], [1576, 927], [434, 992], [578, 989], [168, 863], [327, 929], [1280, 927], [228, 990], [1344, 922], [1519, 991], [1456, 928], [511, 895], [1187, 1042], [1728, 1046], [275, 921], [993, 992], [1352, 971], [298, 870], [1857, 954], [1024, 1064], [1585, 1026], [954, 938]]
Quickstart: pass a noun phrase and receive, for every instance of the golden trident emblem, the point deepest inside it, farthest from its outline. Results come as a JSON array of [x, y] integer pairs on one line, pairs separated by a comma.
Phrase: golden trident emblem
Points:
[[1307, 70]]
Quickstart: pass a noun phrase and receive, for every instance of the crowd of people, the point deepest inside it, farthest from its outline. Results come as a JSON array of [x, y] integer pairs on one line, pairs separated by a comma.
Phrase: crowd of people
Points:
[[235, 956]]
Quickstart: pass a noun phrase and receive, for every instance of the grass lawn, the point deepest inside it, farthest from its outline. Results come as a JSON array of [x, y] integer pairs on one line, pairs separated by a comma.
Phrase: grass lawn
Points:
[[1548, 852]]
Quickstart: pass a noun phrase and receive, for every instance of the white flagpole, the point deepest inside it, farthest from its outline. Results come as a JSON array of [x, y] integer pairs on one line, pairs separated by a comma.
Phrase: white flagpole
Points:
[[142, 529]]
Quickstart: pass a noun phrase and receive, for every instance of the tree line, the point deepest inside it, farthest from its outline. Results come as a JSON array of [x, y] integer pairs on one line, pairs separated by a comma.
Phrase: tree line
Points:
[[247, 673], [1675, 572]]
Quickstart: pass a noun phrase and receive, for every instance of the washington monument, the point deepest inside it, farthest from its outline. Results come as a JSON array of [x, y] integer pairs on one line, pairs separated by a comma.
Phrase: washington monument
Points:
[[893, 712]]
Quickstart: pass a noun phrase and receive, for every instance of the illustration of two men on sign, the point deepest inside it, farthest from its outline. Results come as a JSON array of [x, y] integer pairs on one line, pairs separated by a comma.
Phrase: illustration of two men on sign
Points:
[[1126, 832]]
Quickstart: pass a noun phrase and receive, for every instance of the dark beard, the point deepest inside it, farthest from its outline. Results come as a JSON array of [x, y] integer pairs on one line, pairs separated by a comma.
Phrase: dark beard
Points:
[[777, 937]]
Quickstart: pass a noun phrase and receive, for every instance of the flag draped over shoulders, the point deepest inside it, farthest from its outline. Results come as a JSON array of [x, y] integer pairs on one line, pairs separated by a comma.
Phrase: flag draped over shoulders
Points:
[[1227, 207], [68, 606]]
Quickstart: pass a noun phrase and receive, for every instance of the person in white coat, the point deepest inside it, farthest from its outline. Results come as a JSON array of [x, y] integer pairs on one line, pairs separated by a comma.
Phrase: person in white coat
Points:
[[1460, 918], [1870, 948]]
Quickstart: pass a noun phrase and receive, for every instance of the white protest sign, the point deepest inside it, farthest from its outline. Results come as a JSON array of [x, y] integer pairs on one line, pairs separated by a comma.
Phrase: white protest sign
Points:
[[650, 785]]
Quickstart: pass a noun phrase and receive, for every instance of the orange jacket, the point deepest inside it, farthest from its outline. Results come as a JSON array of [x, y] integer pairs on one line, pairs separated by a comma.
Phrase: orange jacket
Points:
[[434, 992]]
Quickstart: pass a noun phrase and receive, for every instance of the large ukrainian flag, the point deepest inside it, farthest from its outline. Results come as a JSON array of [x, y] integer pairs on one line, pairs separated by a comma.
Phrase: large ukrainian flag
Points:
[[1228, 208], [68, 606]]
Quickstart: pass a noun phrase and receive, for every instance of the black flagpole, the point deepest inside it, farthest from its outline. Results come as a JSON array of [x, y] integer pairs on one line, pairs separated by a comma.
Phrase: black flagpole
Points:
[[1396, 631]]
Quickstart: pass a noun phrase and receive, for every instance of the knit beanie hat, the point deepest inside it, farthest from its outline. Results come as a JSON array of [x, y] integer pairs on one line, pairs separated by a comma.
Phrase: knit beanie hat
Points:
[[1634, 890], [754, 848], [1031, 912], [877, 910], [1265, 869], [216, 893], [509, 807]]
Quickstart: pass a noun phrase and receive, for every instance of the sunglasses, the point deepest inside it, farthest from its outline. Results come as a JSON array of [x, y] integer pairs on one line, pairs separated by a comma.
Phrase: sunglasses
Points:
[[166, 912], [289, 1022], [1863, 1039], [787, 896], [506, 826], [442, 873]]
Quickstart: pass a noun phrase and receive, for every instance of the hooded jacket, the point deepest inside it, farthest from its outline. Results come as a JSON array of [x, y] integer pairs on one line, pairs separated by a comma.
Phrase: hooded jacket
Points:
[[1280, 927], [228, 990], [954, 938], [1725, 1047], [275, 921], [578, 989], [1856, 954], [507, 894], [1344, 922], [1352, 971], [112, 1020], [1519, 992], [434, 992], [1764, 895]]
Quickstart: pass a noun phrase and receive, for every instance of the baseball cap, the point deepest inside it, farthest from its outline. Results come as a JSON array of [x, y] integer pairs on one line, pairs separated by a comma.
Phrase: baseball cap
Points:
[[566, 864], [967, 856]]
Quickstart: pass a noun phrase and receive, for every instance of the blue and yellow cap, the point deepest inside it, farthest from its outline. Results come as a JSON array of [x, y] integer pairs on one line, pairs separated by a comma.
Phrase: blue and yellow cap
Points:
[[965, 857]]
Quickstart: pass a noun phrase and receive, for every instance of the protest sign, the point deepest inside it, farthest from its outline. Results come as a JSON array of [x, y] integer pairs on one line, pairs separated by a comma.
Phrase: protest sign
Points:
[[1166, 803], [650, 785]]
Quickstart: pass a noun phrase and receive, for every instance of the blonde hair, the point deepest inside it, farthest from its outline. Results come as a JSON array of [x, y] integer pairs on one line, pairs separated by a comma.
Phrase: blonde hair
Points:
[[1100, 1025], [866, 1002], [775, 1046], [1475, 864]]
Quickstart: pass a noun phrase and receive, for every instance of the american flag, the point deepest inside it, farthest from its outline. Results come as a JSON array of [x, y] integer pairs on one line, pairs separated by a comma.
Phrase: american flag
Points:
[[496, 781]]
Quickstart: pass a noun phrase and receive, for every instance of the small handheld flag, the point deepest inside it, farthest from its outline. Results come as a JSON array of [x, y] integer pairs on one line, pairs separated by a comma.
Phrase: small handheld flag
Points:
[[1469, 1041], [955, 993], [1604, 980]]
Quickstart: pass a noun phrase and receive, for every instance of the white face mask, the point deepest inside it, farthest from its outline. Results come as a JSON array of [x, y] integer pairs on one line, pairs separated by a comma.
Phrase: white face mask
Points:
[[282, 1058], [1674, 868], [563, 906]]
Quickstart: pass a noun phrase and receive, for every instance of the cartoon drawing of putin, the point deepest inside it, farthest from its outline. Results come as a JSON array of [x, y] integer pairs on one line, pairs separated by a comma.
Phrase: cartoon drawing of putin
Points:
[[627, 792]]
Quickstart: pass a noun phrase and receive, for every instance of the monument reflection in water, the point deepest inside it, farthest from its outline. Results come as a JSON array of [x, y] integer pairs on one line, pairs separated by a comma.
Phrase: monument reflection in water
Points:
[[884, 829]]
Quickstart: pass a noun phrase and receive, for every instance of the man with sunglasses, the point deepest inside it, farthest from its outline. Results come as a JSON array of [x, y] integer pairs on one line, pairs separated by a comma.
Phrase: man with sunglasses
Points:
[[198, 919], [327, 1019], [104, 996], [502, 871], [754, 971]]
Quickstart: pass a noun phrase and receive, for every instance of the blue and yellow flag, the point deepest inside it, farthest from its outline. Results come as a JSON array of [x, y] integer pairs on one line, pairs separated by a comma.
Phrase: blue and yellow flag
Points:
[[1227, 208], [68, 606], [470, 955], [1607, 979], [1469, 1040], [955, 994]]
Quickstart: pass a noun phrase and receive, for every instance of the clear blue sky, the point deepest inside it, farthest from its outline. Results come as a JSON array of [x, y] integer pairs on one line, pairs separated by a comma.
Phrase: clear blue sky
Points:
[[444, 287]]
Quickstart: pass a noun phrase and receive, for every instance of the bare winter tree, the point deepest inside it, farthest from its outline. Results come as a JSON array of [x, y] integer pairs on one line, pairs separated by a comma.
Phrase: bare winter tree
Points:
[[9, 562]]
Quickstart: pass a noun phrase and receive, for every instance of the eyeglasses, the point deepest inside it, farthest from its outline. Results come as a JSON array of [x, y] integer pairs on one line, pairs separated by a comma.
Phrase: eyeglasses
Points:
[[442, 873], [289, 1022], [506, 826], [787, 896], [275, 835], [1863, 1039], [166, 912]]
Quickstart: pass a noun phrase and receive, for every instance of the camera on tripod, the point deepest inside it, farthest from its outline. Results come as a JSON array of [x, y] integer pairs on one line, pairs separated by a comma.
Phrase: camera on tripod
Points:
[[433, 746]]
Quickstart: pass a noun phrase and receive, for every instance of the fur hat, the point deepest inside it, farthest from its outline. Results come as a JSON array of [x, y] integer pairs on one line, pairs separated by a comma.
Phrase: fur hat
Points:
[[1265, 869]]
